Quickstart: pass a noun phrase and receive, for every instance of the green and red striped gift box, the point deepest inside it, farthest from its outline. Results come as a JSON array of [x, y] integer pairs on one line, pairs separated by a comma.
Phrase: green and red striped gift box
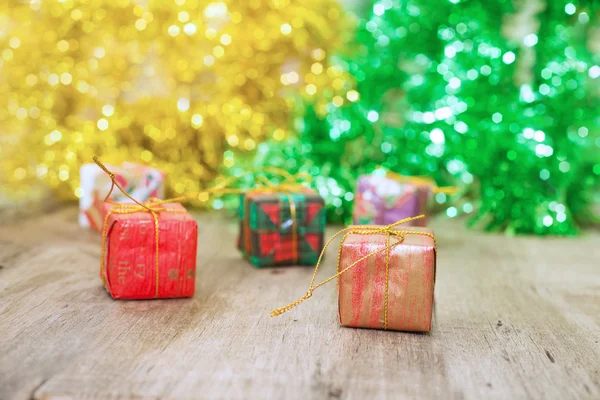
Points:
[[280, 228]]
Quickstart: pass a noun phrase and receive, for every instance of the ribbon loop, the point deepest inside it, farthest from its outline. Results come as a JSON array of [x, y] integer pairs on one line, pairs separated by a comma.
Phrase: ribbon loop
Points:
[[287, 308]]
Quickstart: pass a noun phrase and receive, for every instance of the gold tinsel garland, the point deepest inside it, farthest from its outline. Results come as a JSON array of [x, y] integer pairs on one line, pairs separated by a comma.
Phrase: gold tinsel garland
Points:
[[184, 85]]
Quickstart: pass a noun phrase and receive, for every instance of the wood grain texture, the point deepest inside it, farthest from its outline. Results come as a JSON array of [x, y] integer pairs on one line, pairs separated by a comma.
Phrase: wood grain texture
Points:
[[515, 318]]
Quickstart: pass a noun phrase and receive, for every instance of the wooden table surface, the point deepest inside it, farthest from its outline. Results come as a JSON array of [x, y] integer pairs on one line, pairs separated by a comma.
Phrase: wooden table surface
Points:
[[515, 318]]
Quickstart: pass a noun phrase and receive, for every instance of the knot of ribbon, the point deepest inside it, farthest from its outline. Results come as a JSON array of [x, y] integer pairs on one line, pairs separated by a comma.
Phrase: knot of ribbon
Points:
[[387, 230]]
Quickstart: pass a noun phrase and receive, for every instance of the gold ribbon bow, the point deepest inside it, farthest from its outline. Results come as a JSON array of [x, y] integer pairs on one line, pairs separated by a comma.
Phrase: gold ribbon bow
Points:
[[388, 230], [290, 184], [422, 181]]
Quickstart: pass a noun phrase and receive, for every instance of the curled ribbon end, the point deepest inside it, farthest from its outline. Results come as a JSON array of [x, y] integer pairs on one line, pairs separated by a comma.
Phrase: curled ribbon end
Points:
[[99, 163], [103, 167], [279, 311]]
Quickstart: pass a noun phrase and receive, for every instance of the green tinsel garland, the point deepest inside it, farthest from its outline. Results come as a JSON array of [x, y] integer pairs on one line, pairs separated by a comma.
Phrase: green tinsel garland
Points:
[[438, 96]]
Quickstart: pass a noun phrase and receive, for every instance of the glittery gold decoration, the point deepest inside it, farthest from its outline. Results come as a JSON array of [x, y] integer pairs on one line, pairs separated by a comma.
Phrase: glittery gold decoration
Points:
[[185, 86]]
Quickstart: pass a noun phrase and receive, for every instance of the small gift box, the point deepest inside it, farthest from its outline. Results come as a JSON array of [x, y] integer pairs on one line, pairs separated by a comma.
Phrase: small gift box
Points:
[[386, 278], [278, 228], [139, 181], [391, 290], [148, 255], [382, 200]]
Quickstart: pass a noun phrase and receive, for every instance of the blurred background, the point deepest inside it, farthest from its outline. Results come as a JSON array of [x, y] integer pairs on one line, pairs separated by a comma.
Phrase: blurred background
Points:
[[498, 98]]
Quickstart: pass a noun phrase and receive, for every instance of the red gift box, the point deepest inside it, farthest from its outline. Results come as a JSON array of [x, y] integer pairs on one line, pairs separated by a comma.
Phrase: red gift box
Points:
[[130, 269]]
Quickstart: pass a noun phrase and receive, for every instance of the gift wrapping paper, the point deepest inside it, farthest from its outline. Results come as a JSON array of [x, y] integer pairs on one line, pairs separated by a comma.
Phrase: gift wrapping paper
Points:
[[130, 263], [381, 200], [271, 234], [411, 279], [139, 181]]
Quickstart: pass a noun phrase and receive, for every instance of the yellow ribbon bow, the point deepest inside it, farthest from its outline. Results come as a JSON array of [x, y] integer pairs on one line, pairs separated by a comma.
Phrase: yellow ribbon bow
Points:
[[422, 181], [360, 230]]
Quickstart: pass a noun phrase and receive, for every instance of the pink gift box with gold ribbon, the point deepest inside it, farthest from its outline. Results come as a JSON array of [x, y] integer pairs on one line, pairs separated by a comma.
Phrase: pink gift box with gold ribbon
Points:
[[381, 200], [385, 275], [394, 295]]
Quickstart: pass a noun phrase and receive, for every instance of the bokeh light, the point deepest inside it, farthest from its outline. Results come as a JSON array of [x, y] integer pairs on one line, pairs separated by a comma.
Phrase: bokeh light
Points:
[[176, 84]]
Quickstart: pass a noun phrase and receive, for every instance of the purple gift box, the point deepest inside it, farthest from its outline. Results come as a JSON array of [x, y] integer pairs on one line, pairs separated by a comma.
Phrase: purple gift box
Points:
[[381, 200]]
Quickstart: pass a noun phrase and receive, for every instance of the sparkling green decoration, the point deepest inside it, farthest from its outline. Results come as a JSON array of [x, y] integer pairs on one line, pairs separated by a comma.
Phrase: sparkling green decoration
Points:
[[448, 89]]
